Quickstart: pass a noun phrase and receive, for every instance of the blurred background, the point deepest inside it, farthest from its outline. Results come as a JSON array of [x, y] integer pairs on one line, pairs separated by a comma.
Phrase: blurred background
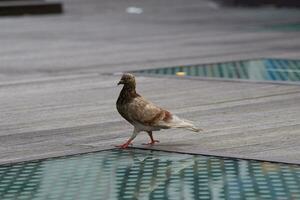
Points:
[[58, 57], [41, 38]]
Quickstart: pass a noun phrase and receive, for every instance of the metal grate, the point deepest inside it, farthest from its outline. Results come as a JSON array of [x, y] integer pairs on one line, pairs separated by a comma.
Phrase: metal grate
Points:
[[144, 174], [257, 70]]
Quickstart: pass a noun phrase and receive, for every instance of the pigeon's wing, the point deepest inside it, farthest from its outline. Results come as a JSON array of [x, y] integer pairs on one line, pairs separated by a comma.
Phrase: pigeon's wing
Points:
[[146, 113]]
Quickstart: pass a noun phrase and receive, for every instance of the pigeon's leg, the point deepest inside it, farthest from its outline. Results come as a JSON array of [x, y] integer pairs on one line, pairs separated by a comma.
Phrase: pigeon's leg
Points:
[[152, 142], [129, 142]]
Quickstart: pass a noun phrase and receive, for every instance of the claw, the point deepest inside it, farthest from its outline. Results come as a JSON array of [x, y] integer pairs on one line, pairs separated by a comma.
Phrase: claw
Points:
[[124, 146]]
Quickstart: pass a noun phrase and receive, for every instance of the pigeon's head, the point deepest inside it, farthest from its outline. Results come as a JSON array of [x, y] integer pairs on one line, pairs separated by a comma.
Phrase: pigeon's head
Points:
[[127, 79]]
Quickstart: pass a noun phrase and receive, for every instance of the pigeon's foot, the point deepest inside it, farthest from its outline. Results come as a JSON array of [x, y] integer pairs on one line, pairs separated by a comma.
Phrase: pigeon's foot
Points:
[[124, 146], [151, 143]]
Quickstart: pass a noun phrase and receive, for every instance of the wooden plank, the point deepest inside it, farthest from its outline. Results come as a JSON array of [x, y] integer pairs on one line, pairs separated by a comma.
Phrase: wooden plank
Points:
[[57, 97], [69, 115]]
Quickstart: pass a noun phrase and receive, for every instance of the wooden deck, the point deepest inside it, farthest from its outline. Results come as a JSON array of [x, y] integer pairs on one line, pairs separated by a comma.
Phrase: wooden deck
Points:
[[58, 95]]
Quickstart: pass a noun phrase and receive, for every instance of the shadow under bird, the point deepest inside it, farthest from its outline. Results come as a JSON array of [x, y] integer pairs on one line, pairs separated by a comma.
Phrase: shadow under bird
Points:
[[143, 114]]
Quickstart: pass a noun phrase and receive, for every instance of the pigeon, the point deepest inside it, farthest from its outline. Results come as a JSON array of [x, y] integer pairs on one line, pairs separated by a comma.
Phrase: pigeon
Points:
[[143, 114]]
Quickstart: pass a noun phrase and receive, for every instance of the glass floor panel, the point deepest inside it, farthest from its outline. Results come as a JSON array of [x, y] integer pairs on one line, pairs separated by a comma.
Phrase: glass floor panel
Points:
[[145, 174], [284, 27], [256, 70]]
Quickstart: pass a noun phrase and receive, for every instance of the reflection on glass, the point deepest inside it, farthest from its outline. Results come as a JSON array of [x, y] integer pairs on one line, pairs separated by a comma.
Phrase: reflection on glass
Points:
[[141, 174]]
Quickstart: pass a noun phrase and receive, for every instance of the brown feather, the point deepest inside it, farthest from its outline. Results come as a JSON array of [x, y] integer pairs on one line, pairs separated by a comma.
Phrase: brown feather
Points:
[[143, 114], [168, 116]]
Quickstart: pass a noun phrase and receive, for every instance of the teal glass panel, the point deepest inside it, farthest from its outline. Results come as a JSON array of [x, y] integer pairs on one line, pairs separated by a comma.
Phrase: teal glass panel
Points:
[[256, 70], [145, 174], [284, 27]]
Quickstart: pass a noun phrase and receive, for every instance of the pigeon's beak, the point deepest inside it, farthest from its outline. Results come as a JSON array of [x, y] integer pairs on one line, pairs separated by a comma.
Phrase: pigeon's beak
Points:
[[121, 82]]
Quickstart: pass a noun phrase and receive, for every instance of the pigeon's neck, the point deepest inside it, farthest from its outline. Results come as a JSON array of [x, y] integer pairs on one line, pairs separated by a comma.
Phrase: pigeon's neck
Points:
[[129, 89], [128, 92]]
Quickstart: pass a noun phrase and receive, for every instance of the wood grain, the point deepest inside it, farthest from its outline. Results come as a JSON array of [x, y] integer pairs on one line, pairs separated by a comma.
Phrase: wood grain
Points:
[[57, 97]]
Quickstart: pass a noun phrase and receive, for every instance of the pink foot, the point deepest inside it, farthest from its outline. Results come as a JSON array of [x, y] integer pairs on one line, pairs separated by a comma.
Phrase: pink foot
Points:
[[151, 143], [124, 146]]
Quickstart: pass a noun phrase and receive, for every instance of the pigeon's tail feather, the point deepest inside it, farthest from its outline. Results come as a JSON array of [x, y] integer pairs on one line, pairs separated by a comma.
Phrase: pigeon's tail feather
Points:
[[194, 128], [176, 122]]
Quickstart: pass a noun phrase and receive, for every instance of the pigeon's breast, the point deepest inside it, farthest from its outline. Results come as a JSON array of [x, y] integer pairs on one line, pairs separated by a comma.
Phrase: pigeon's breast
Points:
[[123, 111]]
